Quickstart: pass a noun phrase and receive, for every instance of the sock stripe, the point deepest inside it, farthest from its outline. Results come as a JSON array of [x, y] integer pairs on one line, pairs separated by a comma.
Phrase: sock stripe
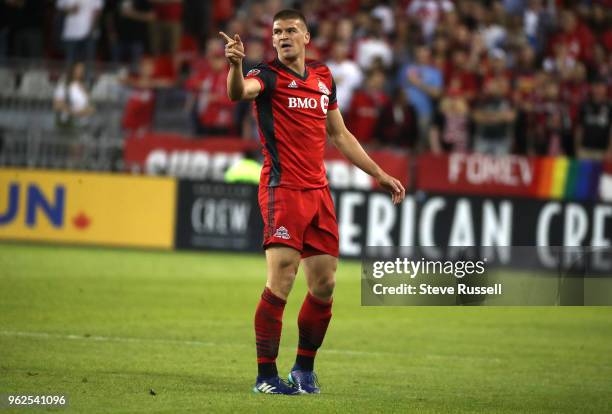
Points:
[[306, 352]]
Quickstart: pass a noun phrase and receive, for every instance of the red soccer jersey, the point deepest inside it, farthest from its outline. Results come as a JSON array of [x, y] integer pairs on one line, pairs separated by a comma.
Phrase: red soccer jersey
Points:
[[139, 109], [291, 111]]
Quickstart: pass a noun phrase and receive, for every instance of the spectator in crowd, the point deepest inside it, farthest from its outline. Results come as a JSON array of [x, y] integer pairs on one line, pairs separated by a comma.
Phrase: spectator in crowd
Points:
[[575, 90], [594, 131], [366, 105], [7, 10], [213, 112], [598, 17], [450, 130], [323, 41], [374, 47], [422, 84], [222, 11], [574, 38], [526, 82], [255, 53], [166, 29], [493, 118], [21, 28], [397, 124], [550, 137], [602, 62], [140, 105], [515, 35], [462, 37], [80, 30], [428, 13], [347, 74], [344, 30], [128, 25], [538, 20], [384, 13], [514, 7], [561, 63], [439, 52], [460, 75], [524, 72], [494, 33], [496, 67], [71, 101]]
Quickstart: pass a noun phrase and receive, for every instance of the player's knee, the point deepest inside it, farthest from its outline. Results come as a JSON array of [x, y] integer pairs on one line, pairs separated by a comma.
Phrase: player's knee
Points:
[[325, 287], [287, 267]]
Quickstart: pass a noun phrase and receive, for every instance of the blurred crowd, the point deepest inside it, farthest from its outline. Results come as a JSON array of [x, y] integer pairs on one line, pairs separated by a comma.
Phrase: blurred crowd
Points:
[[498, 77]]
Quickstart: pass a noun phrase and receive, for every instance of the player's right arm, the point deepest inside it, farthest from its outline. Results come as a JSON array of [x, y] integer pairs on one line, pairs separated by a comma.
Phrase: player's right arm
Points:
[[238, 88]]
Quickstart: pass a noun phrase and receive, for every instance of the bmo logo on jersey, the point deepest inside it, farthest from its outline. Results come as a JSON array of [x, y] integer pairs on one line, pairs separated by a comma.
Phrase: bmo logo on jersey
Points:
[[309, 103]]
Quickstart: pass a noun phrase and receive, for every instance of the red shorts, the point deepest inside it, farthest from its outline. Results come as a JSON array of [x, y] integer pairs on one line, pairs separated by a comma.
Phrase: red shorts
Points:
[[302, 219]]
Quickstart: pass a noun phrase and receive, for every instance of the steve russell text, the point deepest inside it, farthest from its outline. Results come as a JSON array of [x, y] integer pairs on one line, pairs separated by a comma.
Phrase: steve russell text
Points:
[[413, 268]]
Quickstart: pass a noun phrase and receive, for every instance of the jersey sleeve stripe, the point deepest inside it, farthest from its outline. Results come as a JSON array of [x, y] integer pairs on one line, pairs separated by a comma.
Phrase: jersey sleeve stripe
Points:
[[261, 83]]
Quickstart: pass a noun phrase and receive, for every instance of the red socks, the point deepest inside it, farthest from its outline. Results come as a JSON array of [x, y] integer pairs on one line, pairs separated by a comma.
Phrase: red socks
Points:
[[313, 321], [268, 326]]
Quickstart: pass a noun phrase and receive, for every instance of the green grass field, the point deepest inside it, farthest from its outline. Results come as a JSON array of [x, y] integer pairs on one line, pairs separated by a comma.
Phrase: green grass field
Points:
[[105, 326]]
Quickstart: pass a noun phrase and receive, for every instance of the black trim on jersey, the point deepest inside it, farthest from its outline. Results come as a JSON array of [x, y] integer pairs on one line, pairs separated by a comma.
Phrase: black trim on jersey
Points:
[[280, 65], [266, 75], [265, 118], [332, 97]]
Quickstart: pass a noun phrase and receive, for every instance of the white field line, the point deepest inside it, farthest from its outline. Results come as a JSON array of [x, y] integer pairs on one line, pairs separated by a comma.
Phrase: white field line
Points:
[[47, 335], [121, 339]]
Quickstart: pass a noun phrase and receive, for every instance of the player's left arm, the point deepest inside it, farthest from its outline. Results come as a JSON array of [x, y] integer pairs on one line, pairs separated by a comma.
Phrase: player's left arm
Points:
[[348, 145]]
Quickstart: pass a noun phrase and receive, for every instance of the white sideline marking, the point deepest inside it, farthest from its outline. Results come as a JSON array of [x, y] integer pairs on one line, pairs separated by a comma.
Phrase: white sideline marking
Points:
[[47, 335]]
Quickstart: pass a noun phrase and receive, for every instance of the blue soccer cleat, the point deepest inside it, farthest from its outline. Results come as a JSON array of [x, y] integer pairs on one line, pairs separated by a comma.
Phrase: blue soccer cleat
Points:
[[273, 385], [305, 381]]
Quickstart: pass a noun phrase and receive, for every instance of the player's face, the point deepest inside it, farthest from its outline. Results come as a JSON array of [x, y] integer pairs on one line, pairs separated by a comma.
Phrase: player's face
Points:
[[289, 38]]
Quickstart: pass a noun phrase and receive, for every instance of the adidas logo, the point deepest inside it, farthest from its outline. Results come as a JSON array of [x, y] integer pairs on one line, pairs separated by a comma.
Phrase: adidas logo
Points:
[[266, 388], [293, 84], [282, 233]]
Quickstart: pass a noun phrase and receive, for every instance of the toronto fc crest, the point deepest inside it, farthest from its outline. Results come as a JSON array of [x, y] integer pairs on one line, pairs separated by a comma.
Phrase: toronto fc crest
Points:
[[323, 88]]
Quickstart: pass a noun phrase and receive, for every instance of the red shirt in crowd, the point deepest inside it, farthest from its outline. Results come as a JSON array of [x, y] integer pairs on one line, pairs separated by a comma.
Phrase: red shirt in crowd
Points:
[[364, 112], [213, 106], [461, 81], [574, 93], [578, 43], [139, 109], [171, 11], [606, 40]]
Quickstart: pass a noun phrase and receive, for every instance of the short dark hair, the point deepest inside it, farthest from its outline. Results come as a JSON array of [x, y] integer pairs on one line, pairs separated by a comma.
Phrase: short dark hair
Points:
[[290, 14]]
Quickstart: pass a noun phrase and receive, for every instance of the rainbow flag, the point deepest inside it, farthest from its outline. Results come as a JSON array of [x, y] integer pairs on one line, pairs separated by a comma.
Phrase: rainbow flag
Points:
[[561, 178]]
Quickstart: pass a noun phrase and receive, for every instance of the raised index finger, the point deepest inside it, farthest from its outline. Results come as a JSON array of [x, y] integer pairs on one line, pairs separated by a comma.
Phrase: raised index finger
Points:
[[226, 37]]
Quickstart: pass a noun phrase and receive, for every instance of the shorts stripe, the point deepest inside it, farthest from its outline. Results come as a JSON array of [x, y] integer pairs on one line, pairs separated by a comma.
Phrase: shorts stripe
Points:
[[270, 230]]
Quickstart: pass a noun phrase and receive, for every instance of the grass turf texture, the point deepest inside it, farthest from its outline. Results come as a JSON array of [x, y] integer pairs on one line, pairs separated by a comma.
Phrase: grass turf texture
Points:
[[106, 326]]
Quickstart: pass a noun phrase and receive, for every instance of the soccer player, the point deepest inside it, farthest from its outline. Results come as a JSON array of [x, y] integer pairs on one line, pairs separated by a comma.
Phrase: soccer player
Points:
[[295, 103]]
